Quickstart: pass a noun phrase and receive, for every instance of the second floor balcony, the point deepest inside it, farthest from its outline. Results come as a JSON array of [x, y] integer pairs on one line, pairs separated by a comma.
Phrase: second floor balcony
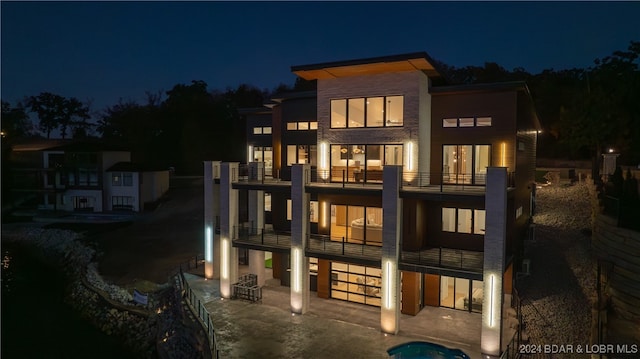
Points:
[[342, 249]]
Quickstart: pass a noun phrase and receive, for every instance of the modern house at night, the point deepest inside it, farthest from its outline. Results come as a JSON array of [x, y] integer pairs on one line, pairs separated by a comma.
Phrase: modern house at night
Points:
[[84, 176], [383, 189]]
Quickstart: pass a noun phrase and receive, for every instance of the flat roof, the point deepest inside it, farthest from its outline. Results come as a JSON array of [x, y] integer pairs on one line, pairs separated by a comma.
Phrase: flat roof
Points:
[[415, 61]]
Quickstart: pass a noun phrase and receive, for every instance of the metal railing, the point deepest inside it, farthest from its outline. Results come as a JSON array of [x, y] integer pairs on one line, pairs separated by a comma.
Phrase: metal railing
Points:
[[445, 258], [342, 246], [247, 288], [198, 309], [261, 236]]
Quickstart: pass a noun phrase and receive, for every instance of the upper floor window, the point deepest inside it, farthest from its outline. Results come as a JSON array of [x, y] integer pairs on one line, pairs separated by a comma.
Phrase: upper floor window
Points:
[[383, 111], [466, 122], [463, 220], [262, 130], [122, 179], [302, 126], [301, 154]]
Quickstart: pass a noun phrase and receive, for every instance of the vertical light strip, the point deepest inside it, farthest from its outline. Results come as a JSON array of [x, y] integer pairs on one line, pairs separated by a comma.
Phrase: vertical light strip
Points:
[[250, 154], [208, 243], [225, 259], [324, 165], [410, 156], [323, 213], [491, 300], [387, 300], [503, 154], [296, 270]]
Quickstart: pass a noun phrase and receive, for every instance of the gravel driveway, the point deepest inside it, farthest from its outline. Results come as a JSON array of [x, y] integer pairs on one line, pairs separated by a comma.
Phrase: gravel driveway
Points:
[[559, 293]]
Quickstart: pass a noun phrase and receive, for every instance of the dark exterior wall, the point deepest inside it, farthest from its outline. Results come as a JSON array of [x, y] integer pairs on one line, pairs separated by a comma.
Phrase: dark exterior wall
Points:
[[258, 120], [276, 118], [412, 85], [296, 110], [500, 106], [436, 238]]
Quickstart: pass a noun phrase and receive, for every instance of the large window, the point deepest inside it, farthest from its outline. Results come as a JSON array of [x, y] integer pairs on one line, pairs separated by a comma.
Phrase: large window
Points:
[[367, 112], [356, 224], [301, 154], [122, 203], [465, 163], [358, 163], [463, 220], [356, 283], [264, 154], [461, 293]]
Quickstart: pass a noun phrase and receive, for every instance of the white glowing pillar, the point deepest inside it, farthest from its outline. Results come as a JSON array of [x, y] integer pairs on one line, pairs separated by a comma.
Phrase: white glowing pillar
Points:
[[228, 223], [300, 175], [211, 210], [494, 260], [391, 226]]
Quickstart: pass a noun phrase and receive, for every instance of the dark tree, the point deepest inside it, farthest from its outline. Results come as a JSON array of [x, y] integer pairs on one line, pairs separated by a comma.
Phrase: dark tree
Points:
[[15, 121], [57, 112]]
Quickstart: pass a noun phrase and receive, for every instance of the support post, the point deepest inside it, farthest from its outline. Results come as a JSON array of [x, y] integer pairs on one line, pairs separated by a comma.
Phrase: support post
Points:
[[494, 261]]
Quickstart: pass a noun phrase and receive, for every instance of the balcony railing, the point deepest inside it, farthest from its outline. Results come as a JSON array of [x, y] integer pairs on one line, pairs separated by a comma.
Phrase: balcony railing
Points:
[[260, 236], [340, 246], [445, 258]]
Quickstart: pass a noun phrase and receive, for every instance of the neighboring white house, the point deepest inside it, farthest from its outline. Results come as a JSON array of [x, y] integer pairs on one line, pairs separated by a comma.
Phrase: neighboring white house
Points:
[[128, 186], [88, 176]]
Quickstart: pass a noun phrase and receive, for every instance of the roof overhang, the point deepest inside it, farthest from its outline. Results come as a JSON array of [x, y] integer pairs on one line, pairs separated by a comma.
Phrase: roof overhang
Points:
[[418, 61]]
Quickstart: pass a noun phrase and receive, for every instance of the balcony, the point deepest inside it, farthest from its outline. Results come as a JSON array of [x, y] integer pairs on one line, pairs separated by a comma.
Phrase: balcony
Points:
[[261, 239], [339, 248], [448, 258]]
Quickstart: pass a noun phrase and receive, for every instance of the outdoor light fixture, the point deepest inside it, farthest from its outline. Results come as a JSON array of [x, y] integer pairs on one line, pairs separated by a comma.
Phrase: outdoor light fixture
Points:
[[208, 243], [324, 163], [611, 150], [503, 154], [250, 154], [225, 259], [491, 300], [410, 156], [387, 299], [297, 277]]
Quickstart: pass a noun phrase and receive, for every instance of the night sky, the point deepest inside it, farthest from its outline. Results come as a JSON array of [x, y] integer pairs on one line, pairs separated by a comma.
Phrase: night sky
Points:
[[111, 50]]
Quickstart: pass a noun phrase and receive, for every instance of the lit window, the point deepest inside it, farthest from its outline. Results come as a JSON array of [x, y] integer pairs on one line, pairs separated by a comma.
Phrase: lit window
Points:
[[266, 130], [375, 112], [449, 219], [303, 125], [288, 210], [464, 220], [356, 112], [483, 121], [313, 125], [450, 122], [478, 221], [267, 202], [116, 179], [292, 126], [394, 110], [466, 122], [257, 130], [338, 113]]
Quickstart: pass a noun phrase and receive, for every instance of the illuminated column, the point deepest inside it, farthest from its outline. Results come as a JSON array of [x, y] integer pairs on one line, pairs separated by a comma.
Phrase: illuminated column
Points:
[[256, 219], [494, 260], [211, 211], [391, 221], [228, 224], [300, 175], [324, 155]]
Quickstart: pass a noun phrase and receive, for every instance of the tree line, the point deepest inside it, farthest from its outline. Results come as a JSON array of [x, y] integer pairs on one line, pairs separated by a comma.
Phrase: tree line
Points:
[[582, 111]]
